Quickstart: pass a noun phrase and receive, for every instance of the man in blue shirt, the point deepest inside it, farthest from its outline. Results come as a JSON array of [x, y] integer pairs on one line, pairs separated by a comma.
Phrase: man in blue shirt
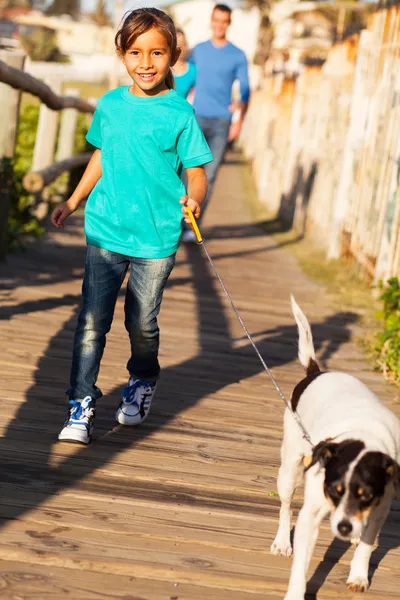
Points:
[[219, 63]]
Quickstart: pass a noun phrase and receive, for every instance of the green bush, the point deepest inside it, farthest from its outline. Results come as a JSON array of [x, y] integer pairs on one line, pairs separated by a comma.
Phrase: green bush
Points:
[[81, 145], [388, 342], [22, 223]]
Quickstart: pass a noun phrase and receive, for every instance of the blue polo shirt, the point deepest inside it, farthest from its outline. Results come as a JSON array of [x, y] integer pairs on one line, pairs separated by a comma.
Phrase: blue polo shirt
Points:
[[134, 208], [217, 68]]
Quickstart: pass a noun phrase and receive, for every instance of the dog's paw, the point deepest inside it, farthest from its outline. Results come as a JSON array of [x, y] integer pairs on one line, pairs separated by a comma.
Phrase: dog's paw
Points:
[[281, 548], [355, 541], [358, 584]]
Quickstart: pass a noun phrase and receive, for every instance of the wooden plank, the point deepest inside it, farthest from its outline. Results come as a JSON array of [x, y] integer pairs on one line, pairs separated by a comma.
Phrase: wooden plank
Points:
[[37, 582], [188, 498]]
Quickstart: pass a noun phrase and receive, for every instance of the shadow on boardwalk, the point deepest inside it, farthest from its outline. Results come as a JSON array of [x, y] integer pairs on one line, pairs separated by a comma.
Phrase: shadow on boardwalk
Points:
[[26, 447], [337, 549]]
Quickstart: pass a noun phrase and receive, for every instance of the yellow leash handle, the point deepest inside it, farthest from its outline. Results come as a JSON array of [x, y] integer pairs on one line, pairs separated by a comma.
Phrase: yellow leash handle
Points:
[[194, 224]]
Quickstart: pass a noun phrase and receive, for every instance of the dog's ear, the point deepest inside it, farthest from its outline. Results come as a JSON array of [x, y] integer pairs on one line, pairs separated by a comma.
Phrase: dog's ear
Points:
[[392, 469], [322, 454], [389, 469]]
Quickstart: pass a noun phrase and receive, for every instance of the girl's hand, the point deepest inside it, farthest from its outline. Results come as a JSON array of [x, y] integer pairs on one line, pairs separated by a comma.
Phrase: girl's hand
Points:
[[195, 207], [60, 214]]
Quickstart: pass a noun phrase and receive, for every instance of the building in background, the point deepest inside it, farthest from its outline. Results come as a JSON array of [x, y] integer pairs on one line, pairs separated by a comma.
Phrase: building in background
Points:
[[90, 46], [298, 32], [83, 37], [87, 46]]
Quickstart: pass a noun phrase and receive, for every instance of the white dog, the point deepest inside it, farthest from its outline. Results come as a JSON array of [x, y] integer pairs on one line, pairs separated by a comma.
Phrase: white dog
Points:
[[351, 471]]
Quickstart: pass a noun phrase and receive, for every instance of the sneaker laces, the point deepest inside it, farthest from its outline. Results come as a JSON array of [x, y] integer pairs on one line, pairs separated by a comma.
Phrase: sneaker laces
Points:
[[80, 410], [129, 393]]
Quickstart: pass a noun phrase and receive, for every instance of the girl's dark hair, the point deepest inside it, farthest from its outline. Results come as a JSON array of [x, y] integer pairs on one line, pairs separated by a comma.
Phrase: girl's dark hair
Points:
[[141, 20]]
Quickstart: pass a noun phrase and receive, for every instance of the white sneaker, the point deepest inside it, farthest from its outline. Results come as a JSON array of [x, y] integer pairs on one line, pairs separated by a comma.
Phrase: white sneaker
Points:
[[188, 236], [136, 401], [79, 424]]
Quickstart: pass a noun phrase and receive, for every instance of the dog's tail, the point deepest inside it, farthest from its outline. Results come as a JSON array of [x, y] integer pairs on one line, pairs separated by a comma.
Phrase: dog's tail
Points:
[[306, 344]]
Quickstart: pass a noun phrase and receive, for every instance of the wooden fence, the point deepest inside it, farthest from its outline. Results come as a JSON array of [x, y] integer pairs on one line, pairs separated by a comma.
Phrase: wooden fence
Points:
[[325, 148], [54, 137]]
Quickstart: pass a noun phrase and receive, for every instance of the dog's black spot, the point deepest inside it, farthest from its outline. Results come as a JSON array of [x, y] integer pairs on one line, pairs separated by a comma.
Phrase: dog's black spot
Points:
[[312, 373], [312, 367], [368, 481]]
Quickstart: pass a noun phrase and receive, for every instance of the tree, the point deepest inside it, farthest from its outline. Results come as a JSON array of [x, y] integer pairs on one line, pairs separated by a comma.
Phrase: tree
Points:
[[65, 7], [263, 5], [101, 16], [41, 44], [17, 4]]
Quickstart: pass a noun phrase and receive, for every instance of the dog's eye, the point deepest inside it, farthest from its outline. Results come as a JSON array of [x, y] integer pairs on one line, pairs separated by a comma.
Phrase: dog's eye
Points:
[[336, 489], [339, 489], [364, 495]]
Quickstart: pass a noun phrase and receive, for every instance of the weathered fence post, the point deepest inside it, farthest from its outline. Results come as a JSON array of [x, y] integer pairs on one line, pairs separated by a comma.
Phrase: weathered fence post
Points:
[[69, 121], [43, 154], [9, 102]]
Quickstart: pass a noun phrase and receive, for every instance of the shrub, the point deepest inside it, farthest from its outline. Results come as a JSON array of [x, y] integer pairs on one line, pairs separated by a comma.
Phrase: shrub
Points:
[[21, 222], [388, 342]]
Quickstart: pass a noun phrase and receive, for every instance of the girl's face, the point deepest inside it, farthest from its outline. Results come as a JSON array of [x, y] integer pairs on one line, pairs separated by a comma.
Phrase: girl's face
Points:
[[148, 61]]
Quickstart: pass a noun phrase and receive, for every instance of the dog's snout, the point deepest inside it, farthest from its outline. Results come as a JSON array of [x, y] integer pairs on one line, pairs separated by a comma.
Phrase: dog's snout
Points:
[[345, 527]]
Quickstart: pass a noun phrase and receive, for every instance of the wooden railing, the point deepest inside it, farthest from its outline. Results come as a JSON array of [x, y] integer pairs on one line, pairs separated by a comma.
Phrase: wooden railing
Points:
[[325, 148], [48, 162]]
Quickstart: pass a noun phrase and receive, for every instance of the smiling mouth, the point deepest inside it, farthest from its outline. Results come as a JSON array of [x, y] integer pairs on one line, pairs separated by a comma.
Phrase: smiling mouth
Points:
[[147, 76]]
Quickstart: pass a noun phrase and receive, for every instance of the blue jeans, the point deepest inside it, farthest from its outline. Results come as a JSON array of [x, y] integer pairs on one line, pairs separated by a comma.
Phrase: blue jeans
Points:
[[216, 132], [104, 274]]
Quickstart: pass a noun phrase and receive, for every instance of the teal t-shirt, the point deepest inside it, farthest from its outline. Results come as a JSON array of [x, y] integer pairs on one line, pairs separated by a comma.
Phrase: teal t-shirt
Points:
[[134, 208], [185, 82]]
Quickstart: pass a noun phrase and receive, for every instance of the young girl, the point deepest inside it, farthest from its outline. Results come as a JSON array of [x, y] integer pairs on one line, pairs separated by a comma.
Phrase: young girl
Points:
[[144, 134], [184, 71]]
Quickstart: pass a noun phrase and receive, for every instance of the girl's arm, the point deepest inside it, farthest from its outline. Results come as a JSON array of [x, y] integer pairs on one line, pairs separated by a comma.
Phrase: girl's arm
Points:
[[89, 179], [197, 191]]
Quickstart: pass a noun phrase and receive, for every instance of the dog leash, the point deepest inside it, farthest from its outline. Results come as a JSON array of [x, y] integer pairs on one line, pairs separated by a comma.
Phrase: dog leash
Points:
[[200, 241]]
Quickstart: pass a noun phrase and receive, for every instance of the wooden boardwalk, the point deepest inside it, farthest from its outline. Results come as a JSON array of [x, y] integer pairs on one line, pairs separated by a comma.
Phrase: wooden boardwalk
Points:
[[183, 507]]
